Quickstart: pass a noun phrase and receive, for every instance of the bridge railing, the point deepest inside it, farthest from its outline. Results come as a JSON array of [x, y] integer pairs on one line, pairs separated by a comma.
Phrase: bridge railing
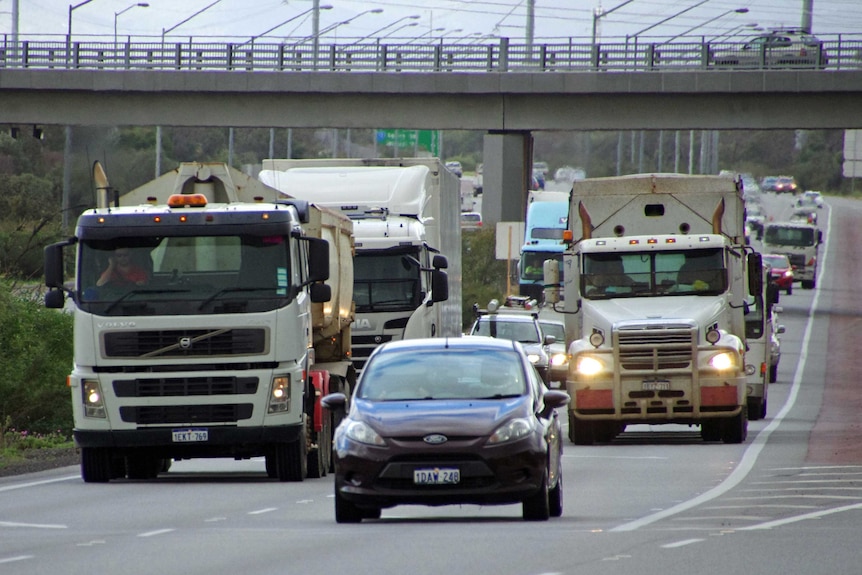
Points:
[[836, 52]]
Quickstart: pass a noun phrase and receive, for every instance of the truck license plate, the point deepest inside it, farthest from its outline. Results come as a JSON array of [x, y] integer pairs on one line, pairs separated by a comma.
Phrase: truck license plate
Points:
[[437, 476], [656, 385], [190, 435]]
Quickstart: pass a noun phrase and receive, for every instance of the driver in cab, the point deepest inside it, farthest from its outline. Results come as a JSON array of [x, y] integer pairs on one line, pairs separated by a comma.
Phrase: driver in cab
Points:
[[122, 270]]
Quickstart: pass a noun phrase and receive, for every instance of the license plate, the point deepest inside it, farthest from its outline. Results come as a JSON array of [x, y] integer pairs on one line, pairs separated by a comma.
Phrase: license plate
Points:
[[437, 476], [656, 385], [190, 435]]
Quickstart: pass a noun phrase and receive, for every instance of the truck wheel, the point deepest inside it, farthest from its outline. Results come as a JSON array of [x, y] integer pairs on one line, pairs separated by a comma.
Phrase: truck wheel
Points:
[[143, 466], [95, 465], [584, 432], [755, 408], [735, 429], [319, 457], [710, 430], [790, 289], [773, 373], [291, 460], [345, 511]]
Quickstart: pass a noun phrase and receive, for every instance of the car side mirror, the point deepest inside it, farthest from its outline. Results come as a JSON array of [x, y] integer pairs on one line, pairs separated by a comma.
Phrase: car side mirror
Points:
[[334, 402], [553, 399]]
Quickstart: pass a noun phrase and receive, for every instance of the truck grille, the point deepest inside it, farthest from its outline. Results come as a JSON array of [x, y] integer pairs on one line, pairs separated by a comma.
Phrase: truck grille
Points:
[[184, 343], [655, 348], [185, 386], [186, 414], [363, 345], [797, 260]]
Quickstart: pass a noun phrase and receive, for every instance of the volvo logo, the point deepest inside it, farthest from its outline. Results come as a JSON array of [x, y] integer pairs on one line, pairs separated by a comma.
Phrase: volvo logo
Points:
[[185, 343], [435, 439]]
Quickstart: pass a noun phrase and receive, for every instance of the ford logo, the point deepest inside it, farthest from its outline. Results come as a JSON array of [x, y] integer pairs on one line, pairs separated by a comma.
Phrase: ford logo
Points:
[[435, 439]]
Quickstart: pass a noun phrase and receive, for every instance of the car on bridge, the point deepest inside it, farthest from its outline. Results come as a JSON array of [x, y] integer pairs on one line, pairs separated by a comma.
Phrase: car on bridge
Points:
[[775, 49]]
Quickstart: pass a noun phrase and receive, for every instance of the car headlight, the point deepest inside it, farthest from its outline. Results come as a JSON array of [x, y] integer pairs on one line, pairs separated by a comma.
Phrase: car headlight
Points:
[[511, 431], [588, 365], [722, 361], [559, 359], [534, 357], [363, 433]]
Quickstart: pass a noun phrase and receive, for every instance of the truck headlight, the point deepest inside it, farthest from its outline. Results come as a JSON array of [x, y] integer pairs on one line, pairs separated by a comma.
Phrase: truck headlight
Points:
[[279, 394], [559, 359], [722, 361], [588, 365], [94, 404]]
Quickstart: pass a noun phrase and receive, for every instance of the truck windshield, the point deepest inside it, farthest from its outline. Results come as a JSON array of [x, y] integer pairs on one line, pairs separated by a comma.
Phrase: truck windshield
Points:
[[789, 236], [185, 275], [648, 274], [386, 280]]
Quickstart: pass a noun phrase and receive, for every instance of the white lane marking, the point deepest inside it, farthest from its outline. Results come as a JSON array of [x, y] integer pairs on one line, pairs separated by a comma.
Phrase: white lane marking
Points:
[[803, 517], [749, 457], [16, 558], [32, 525], [682, 543], [260, 511], [156, 532], [565, 456], [36, 483]]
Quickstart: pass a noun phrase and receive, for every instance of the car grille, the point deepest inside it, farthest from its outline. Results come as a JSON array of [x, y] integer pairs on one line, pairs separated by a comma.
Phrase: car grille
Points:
[[184, 343]]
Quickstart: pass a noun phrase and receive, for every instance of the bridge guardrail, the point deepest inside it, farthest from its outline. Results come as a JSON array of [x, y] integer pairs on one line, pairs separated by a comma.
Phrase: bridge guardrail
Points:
[[838, 52]]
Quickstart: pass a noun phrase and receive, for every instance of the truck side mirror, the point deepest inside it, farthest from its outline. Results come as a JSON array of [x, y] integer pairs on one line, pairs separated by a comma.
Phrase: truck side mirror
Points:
[[551, 279], [320, 293], [54, 265], [440, 262], [755, 274], [439, 286], [318, 260]]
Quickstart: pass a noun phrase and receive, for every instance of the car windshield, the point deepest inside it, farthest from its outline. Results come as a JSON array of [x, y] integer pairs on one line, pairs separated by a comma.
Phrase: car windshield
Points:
[[777, 262], [452, 373], [555, 329], [790, 236]]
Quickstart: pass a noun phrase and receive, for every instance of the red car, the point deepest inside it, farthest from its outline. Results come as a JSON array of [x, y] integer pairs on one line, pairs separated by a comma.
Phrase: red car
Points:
[[780, 271]]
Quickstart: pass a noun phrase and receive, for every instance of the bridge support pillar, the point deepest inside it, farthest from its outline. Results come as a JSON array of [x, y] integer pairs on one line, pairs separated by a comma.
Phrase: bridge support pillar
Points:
[[506, 178]]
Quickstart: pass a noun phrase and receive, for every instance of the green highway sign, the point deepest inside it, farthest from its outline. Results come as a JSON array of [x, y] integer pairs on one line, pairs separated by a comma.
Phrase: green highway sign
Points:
[[426, 140]]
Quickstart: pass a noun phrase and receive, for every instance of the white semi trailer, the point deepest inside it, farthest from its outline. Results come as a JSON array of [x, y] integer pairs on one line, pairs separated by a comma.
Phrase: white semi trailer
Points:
[[406, 220]]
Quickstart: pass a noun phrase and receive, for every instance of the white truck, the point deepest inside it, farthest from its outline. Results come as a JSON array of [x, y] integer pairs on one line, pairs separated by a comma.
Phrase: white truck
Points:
[[799, 241], [210, 315], [656, 280], [760, 328], [407, 225]]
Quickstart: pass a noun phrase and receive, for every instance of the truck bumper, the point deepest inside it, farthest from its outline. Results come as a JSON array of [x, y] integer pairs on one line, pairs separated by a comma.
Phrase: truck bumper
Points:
[[221, 441]]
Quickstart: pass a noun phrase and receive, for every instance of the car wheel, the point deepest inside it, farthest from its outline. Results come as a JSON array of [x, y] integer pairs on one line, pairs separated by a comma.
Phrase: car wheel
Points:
[[555, 497], [789, 289], [345, 511], [535, 507]]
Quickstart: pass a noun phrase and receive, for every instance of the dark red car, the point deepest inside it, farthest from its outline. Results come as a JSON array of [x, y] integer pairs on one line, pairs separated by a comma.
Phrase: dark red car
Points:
[[780, 271]]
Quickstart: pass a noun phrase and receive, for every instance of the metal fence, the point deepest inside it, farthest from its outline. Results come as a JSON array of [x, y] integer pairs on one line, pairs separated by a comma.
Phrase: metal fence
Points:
[[835, 52]]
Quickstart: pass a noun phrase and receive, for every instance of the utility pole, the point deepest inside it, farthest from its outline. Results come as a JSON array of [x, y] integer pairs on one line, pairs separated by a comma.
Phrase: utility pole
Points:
[[807, 15]]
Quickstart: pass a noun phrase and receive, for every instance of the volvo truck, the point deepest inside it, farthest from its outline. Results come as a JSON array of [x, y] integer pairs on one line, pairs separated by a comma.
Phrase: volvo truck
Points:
[[236, 320]]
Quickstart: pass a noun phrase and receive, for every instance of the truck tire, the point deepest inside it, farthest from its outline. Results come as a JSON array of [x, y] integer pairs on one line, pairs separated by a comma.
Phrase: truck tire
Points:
[[790, 289], [583, 431], [95, 465], [773, 373], [808, 284], [756, 408], [143, 466], [319, 457], [291, 459], [710, 430], [735, 429]]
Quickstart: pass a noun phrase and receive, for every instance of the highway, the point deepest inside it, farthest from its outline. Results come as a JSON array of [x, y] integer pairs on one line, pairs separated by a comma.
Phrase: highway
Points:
[[656, 500]]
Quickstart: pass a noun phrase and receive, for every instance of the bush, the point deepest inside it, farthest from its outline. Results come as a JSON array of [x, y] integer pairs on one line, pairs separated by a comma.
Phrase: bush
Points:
[[35, 358], [484, 276]]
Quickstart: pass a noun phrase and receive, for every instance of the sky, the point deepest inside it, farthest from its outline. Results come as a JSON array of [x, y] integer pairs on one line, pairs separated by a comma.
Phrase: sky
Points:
[[453, 20]]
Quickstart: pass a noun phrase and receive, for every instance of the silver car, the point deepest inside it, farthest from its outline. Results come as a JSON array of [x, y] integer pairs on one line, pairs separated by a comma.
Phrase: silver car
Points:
[[776, 49]]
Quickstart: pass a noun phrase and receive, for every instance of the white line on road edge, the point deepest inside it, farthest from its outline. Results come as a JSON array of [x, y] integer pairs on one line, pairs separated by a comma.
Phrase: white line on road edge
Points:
[[35, 483], [682, 543], [749, 457], [14, 559], [266, 510], [32, 525], [156, 532]]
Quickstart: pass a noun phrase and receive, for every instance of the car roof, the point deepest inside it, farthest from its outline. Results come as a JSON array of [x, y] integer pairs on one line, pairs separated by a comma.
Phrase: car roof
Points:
[[454, 343]]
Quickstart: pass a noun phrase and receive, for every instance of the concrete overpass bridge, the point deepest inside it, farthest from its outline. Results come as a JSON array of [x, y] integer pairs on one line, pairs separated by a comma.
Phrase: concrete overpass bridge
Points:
[[509, 102]]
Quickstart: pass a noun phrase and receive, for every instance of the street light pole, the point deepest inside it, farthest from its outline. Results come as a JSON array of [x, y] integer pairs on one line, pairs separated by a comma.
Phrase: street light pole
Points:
[[301, 14], [680, 13], [599, 13], [174, 27], [425, 34], [316, 37], [413, 17], [123, 11], [722, 15]]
